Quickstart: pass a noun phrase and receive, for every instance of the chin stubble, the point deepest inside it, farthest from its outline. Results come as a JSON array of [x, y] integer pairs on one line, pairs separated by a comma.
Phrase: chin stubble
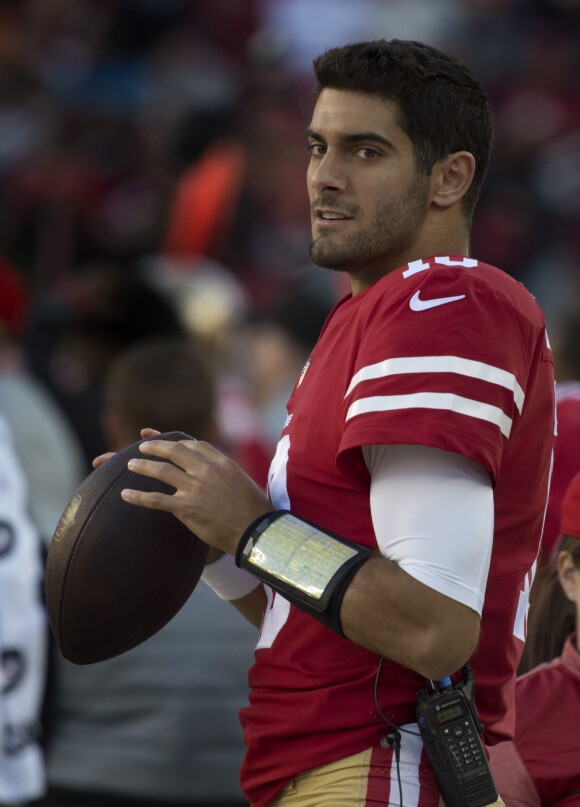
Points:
[[395, 227]]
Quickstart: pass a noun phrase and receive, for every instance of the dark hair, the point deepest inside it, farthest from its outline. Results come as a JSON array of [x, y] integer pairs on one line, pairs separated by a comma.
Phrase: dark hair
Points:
[[442, 107], [552, 616], [165, 383]]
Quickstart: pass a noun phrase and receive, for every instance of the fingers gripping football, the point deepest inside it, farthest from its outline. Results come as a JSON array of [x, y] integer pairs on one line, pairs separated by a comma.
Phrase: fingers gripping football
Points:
[[213, 496]]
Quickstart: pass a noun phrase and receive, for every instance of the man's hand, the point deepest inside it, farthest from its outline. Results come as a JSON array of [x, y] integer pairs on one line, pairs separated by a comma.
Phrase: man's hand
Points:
[[213, 496]]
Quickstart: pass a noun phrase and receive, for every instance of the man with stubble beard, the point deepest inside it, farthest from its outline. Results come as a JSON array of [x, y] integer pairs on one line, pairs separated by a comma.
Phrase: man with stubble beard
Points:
[[407, 493]]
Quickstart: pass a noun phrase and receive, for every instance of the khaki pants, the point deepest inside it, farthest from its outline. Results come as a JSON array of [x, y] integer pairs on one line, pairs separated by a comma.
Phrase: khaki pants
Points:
[[367, 779]]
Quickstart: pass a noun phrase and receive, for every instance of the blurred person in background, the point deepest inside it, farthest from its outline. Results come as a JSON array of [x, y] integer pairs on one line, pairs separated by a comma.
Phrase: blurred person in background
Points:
[[41, 462], [567, 444], [44, 440], [216, 310], [271, 350], [542, 765], [78, 327], [23, 635], [159, 724]]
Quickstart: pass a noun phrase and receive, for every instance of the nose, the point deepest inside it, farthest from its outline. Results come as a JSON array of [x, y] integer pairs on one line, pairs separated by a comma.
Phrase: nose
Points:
[[325, 173]]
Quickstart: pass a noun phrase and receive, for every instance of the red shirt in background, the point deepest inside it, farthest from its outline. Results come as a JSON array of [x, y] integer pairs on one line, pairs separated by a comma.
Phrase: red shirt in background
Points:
[[566, 459]]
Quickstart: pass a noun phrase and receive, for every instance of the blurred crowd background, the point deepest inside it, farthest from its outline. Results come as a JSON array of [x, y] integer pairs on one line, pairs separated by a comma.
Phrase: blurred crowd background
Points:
[[152, 165]]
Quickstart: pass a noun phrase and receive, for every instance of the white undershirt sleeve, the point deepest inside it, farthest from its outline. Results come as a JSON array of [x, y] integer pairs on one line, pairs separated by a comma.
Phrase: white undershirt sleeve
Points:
[[432, 513]]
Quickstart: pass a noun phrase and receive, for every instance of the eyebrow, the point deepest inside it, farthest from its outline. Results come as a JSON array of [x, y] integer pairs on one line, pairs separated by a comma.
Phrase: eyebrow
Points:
[[354, 137]]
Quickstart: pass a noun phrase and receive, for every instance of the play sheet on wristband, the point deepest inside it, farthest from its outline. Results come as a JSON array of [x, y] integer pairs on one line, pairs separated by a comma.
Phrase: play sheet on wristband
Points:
[[297, 553]]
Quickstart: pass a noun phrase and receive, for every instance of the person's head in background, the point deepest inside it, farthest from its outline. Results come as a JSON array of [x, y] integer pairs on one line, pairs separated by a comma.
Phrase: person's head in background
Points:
[[164, 383], [555, 612]]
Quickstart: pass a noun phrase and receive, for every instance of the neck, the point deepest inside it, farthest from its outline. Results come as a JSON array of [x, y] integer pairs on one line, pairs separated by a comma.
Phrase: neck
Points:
[[361, 279], [442, 232]]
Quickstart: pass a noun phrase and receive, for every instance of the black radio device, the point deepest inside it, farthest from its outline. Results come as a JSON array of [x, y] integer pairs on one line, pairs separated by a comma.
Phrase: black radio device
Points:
[[450, 729]]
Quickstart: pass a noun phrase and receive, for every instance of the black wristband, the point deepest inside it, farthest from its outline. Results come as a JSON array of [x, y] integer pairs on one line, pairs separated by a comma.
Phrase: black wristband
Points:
[[310, 567]]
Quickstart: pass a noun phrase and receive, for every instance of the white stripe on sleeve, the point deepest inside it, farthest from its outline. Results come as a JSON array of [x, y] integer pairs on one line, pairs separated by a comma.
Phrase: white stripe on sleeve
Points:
[[441, 364], [433, 400]]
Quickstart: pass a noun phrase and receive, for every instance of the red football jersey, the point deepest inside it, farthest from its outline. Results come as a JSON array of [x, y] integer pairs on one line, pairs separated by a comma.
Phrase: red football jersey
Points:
[[445, 352]]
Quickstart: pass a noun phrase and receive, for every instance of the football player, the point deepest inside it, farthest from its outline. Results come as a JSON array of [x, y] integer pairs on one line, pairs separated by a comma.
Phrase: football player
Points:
[[408, 489]]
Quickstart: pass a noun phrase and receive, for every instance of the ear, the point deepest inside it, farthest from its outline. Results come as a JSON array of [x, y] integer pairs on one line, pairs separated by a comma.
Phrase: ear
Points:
[[569, 578], [452, 178]]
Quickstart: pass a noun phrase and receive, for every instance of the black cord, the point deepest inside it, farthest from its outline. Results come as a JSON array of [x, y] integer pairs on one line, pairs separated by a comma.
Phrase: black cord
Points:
[[382, 715], [394, 739], [394, 736]]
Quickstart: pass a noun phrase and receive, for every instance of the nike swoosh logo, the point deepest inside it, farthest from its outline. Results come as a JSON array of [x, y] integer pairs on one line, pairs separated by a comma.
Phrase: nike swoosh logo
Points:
[[416, 304]]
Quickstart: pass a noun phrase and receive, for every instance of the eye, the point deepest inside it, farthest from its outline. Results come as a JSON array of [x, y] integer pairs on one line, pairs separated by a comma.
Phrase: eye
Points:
[[316, 149], [367, 153]]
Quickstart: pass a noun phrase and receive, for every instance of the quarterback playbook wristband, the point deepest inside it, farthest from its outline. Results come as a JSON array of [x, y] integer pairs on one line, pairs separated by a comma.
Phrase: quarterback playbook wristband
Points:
[[309, 567]]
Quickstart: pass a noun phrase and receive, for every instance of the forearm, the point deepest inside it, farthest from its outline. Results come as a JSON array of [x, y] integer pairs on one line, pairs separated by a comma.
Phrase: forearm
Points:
[[389, 612]]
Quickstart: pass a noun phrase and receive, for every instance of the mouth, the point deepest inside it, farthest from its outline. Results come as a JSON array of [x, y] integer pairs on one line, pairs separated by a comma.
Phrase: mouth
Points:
[[327, 217]]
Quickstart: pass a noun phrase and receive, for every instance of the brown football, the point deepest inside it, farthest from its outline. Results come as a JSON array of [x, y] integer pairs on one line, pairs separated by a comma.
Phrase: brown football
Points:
[[117, 573]]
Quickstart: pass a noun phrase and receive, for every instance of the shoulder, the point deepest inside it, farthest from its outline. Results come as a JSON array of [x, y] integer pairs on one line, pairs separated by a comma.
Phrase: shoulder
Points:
[[445, 297], [470, 276], [541, 683], [439, 285]]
